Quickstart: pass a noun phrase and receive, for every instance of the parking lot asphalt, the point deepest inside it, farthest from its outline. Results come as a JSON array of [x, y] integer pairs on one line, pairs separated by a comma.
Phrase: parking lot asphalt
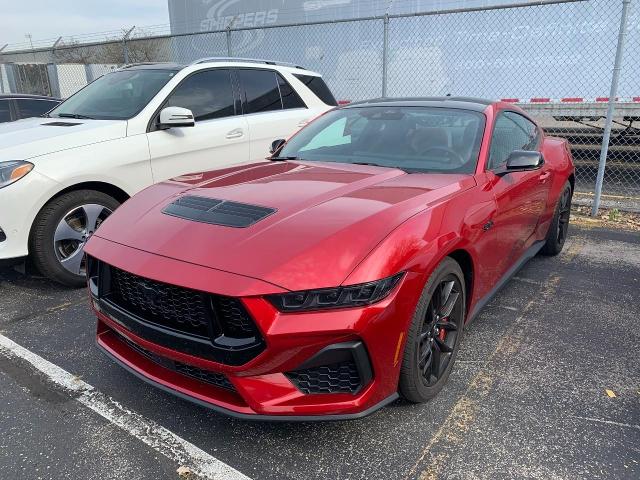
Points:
[[527, 397]]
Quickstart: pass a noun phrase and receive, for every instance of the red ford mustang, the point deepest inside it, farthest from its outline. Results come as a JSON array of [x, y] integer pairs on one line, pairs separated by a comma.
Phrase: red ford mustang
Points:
[[340, 272]]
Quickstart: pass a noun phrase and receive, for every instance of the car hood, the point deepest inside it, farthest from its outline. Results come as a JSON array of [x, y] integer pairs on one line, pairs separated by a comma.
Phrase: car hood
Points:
[[327, 218], [34, 137]]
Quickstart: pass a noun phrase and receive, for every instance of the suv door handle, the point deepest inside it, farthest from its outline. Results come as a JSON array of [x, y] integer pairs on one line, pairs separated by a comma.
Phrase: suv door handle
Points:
[[544, 176], [235, 133]]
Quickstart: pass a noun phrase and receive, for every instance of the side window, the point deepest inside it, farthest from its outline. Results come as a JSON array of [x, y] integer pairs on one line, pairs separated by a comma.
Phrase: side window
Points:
[[5, 112], [290, 98], [207, 94], [33, 108], [511, 132], [318, 87], [261, 90]]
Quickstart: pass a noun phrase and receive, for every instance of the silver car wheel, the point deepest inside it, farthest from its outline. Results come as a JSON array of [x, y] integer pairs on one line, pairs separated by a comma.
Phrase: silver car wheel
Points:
[[73, 232]]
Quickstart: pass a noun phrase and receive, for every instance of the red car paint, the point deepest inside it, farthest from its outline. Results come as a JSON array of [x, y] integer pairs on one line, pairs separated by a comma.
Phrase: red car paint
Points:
[[336, 224]]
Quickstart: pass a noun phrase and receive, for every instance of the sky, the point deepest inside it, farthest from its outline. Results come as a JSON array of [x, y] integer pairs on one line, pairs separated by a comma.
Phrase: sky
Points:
[[46, 19]]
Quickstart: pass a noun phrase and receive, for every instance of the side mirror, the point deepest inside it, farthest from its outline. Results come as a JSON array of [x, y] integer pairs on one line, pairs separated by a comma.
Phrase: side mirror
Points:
[[521, 161], [276, 145], [175, 117]]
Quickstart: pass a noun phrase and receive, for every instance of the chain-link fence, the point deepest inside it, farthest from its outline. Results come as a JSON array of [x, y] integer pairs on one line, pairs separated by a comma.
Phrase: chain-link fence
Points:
[[554, 59]]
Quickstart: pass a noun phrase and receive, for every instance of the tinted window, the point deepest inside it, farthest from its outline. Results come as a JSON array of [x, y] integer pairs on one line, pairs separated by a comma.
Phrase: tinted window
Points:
[[511, 132], [318, 87], [33, 108], [415, 139], [117, 95], [261, 90], [5, 113], [207, 94], [290, 98]]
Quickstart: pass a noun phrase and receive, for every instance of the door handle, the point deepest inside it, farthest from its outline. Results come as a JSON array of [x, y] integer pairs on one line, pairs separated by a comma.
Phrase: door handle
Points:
[[544, 176], [235, 133]]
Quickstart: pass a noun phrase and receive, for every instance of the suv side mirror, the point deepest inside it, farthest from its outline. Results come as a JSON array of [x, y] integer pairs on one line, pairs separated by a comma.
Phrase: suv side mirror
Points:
[[276, 145], [521, 161], [175, 117]]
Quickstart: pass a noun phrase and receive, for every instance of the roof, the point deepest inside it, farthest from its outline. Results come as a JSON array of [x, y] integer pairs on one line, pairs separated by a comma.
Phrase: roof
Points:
[[26, 95], [467, 103]]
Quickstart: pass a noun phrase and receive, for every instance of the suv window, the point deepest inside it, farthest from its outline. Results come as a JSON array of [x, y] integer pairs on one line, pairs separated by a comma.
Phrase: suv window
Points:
[[33, 108], [261, 90], [5, 112], [512, 132], [207, 94], [290, 98], [318, 87]]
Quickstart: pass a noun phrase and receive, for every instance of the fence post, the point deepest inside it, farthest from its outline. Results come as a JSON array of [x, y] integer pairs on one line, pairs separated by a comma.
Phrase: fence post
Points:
[[125, 49], [385, 53], [604, 149], [10, 69], [229, 54]]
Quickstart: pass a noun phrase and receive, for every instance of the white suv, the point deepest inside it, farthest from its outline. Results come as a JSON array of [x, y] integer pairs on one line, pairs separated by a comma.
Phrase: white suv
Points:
[[62, 175]]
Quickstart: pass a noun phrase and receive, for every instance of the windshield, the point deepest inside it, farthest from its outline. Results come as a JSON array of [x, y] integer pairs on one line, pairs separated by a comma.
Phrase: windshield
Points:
[[414, 139], [119, 95]]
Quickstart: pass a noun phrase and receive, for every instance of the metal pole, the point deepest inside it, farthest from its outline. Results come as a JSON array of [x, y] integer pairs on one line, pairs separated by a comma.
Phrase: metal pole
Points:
[[125, 50], [612, 98], [229, 41], [385, 53]]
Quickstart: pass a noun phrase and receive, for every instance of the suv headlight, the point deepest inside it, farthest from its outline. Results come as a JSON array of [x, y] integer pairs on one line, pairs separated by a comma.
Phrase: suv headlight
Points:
[[339, 297], [13, 170]]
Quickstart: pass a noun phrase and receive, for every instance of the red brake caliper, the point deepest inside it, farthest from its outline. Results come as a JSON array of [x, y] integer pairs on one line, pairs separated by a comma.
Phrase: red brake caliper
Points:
[[443, 333]]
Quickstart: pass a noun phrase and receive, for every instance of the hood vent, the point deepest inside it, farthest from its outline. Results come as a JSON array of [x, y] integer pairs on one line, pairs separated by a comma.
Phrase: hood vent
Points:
[[217, 212], [61, 124]]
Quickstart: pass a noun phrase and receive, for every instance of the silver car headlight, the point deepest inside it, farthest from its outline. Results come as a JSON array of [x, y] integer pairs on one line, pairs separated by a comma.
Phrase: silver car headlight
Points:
[[13, 170]]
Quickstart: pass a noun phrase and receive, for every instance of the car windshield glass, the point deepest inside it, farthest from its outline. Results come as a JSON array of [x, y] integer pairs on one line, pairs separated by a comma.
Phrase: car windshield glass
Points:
[[118, 95], [414, 139]]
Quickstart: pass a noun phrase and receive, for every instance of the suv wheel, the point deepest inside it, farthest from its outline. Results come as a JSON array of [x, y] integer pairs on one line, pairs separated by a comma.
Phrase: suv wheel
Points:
[[61, 230]]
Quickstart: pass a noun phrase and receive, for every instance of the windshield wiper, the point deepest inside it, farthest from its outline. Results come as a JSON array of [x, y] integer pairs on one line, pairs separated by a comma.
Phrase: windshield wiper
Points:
[[378, 165], [74, 115], [281, 159]]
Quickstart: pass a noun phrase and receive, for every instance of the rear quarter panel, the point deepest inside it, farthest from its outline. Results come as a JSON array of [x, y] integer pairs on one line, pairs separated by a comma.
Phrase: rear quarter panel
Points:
[[558, 159]]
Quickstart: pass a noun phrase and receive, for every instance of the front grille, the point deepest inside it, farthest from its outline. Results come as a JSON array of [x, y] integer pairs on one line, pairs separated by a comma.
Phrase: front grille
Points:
[[236, 319], [169, 306], [340, 377], [214, 378], [194, 322]]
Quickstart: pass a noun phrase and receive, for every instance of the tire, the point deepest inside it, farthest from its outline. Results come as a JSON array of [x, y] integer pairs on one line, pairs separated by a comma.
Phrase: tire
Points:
[[60, 231], [559, 228], [415, 384]]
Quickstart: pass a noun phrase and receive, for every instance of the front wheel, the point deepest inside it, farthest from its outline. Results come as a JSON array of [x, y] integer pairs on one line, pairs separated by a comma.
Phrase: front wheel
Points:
[[61, 230], [435, 334]]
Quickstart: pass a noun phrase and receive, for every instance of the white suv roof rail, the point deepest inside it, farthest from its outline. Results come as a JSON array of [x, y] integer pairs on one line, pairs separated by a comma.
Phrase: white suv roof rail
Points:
[[249, 60]]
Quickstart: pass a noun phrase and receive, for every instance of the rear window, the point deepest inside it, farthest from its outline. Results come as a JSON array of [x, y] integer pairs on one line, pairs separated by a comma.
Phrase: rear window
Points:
[[318, 87]]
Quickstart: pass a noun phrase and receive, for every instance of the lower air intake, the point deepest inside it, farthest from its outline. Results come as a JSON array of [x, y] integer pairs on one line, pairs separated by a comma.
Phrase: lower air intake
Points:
[[337, 378], [214, 378]]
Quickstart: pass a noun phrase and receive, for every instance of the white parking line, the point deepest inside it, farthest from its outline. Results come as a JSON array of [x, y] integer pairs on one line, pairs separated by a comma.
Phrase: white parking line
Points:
[[155, 436]]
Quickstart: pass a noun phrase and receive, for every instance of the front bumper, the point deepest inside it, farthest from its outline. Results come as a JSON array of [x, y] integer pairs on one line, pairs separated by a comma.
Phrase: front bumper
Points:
[[20, 202], [263, 387]]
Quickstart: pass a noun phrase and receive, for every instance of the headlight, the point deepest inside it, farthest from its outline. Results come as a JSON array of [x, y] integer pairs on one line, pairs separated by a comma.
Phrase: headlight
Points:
[[13, 171], [339, 297]]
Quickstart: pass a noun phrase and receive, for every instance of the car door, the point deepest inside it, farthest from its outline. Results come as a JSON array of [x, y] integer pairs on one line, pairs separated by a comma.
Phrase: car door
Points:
[[219, 137], [33, 107], [520, 196], [272, 108]]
